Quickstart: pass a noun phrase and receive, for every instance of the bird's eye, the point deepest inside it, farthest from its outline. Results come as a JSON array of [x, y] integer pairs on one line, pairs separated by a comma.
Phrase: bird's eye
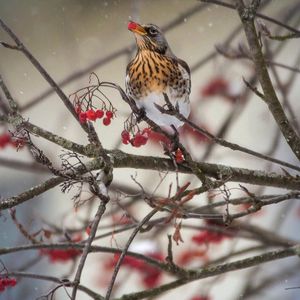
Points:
[[153, 31]]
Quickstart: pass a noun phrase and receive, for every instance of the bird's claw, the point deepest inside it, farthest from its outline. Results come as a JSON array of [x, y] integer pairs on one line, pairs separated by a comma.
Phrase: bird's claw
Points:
[[175, 139]]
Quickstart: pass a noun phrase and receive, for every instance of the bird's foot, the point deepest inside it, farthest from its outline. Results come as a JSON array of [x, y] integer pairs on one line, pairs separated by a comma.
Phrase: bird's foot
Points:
[[173, 142], [175, 139]]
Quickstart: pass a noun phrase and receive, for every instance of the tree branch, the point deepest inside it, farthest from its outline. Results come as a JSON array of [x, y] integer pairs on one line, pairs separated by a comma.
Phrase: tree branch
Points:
[[125, 251], [247, 17], [218, 171], [211, 271], [124, 160], [259, 15], [87, 246], [31, 193]]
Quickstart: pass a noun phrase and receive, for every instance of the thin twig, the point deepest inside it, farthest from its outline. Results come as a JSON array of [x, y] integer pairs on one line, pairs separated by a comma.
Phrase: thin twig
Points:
[[87, 246], [259, 15], [65, 283], [124, 251]]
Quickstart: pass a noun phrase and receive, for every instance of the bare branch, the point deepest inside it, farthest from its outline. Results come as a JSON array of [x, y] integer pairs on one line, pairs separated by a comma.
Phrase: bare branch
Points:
[[62, 282], [259, 15], [87, 246], [213, 271], [125, 250], [271, 99], [31, 193]]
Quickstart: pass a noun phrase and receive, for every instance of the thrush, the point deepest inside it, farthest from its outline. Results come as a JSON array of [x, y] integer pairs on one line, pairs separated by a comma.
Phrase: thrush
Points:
[[155, 71]]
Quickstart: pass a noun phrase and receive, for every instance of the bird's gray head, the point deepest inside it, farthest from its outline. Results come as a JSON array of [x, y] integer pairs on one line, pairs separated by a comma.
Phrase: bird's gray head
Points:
[[150, 37]]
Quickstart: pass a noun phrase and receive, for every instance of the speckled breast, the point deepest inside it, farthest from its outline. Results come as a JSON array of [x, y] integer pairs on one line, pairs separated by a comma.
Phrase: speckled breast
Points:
[[151, 72]]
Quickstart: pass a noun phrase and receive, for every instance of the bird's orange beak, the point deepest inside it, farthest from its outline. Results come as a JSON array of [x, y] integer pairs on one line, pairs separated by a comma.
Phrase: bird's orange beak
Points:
[[136, 28]]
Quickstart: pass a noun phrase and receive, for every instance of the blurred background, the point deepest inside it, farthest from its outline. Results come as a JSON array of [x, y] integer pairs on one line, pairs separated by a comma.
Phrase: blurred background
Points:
[[71, 39]]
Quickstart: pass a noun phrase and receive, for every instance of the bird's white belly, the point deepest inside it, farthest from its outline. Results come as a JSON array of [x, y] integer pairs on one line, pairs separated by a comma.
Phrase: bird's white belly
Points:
[[164, 120]]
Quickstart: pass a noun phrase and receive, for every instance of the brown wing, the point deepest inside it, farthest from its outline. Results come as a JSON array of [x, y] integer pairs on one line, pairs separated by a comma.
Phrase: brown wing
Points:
[[184, 65]]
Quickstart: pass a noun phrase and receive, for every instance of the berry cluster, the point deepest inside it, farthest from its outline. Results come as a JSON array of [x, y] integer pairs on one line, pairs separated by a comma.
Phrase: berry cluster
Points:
[[216, 86], [7, 282], [6, 139], [60, 255], [138, 139], [214, 237], [93, 115], [219, 86], [149, 274]]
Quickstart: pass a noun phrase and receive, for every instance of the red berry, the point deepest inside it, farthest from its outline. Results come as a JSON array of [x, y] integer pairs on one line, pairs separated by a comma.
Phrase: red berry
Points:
[[151, 280], [125, 137], [106, 121], [82, 117], [179, 156], [135, 142], [88, 230], [99, 113], [216, 86], [5, 281], [125, 134], [11, 281], [146, 131], [144, 140], [91, 115], [56, 255], [5, 138], [17, 143], [78, 109], [139, 140], [109, 114]]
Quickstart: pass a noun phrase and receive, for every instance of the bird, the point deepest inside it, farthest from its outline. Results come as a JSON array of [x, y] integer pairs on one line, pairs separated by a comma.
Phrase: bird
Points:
[[155, 71]]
